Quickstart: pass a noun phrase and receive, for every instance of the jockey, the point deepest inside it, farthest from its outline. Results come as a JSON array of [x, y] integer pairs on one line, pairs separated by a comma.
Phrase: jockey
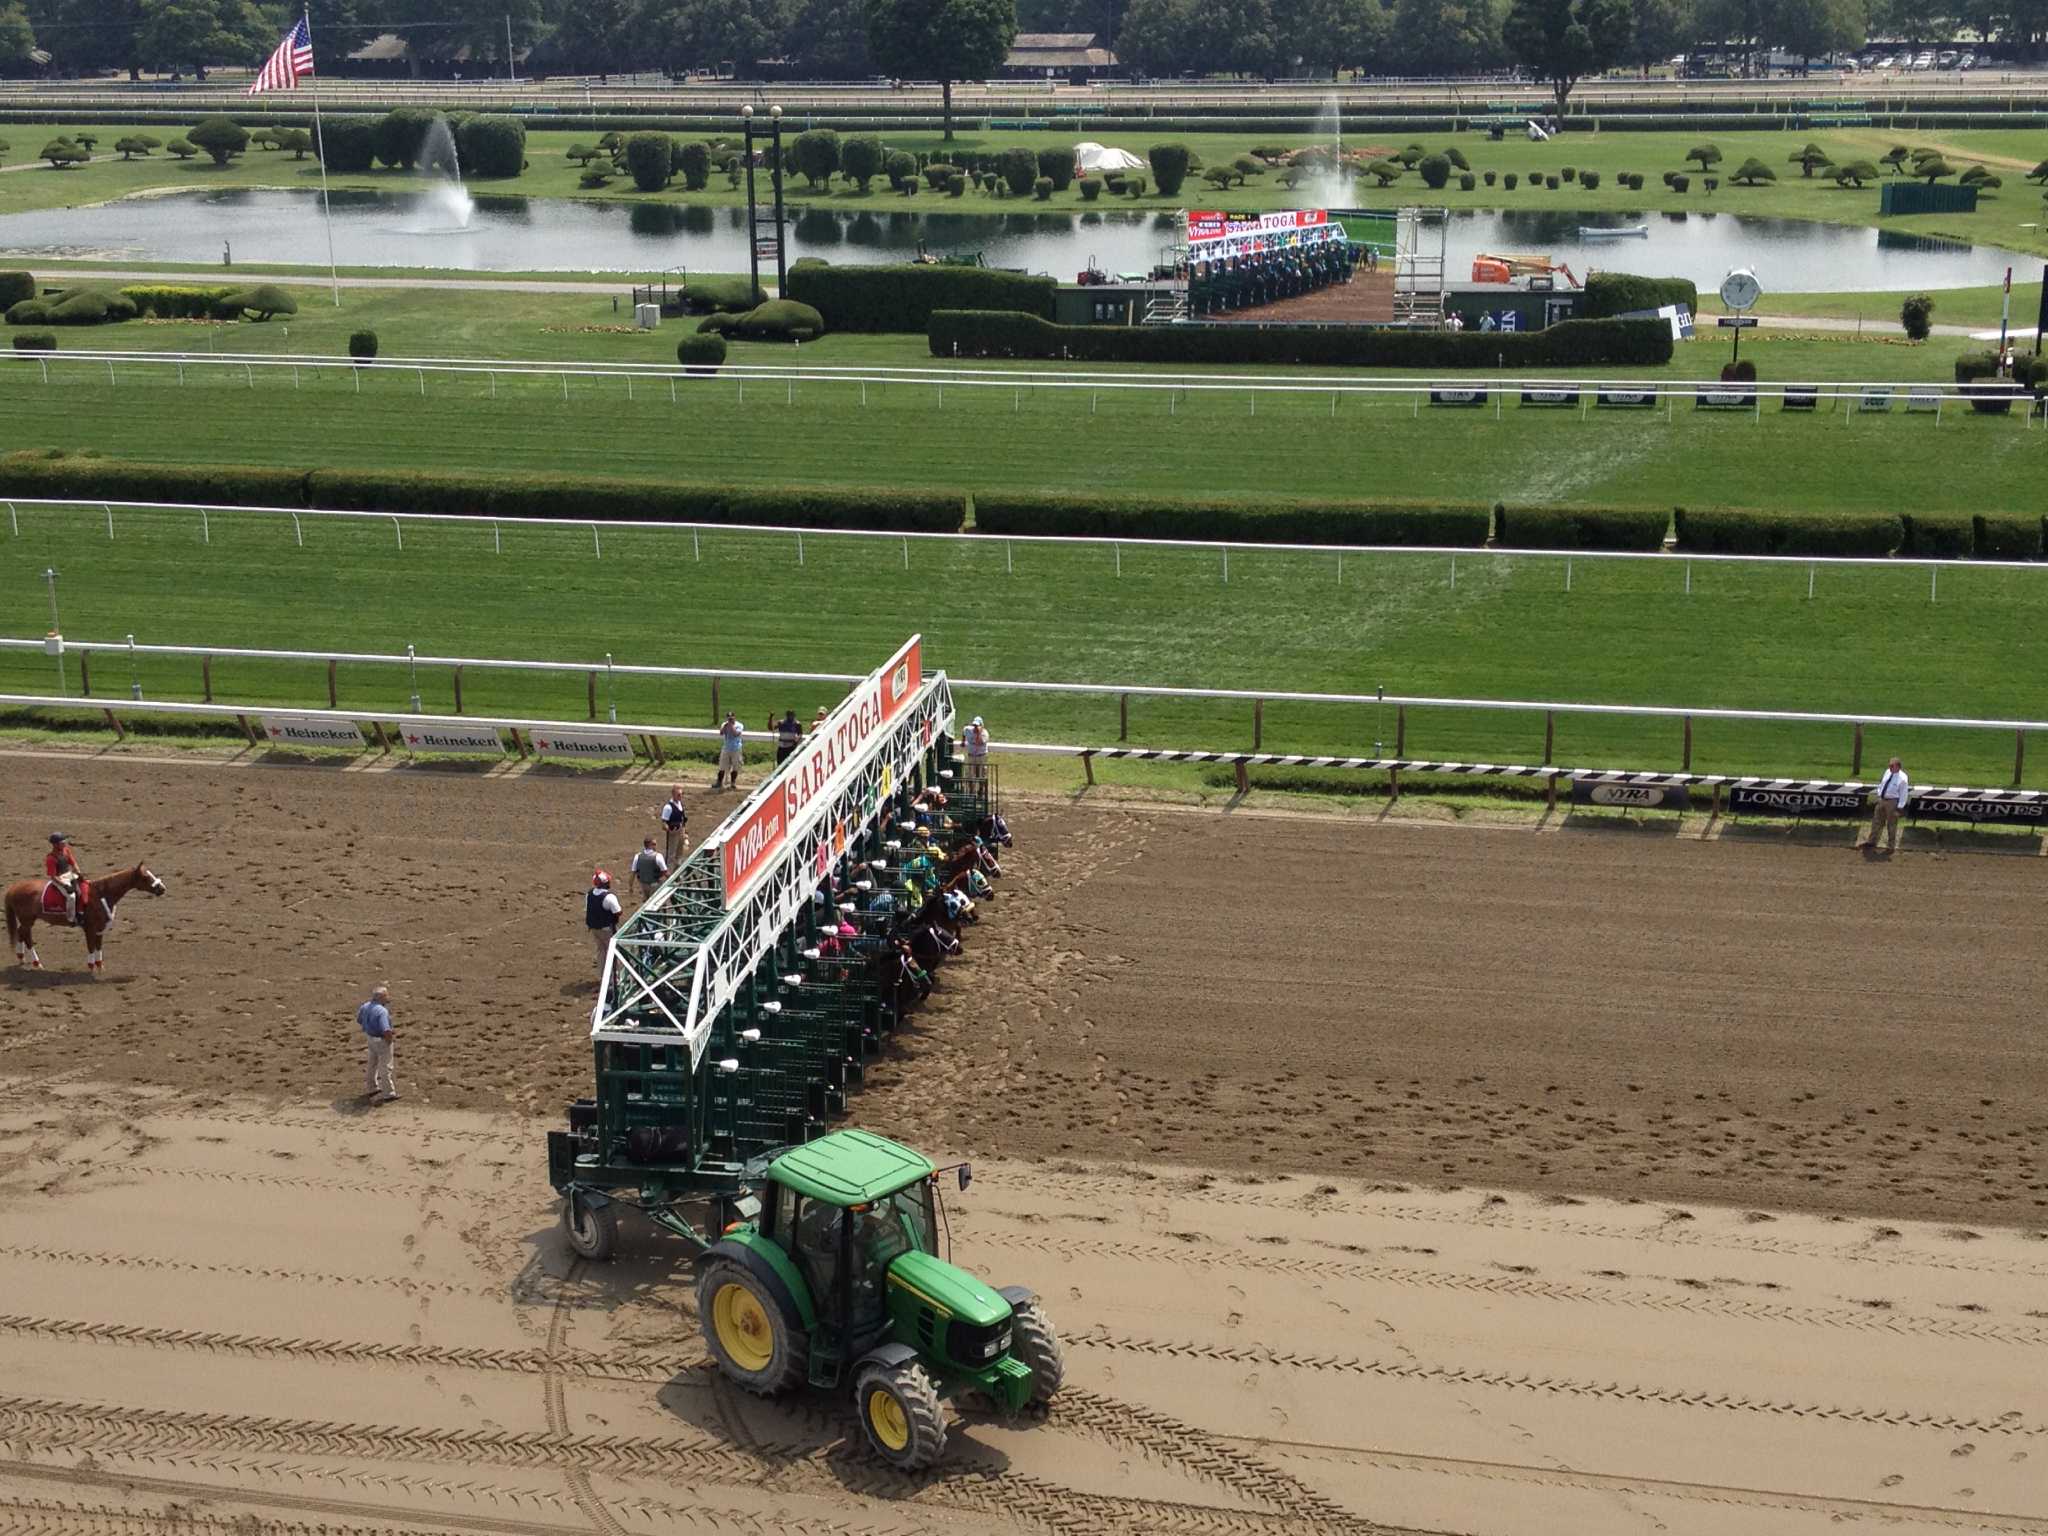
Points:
[[61, 865]]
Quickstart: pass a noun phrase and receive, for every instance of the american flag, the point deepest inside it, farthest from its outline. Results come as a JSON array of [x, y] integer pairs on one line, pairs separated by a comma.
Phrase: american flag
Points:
[[294, 57]]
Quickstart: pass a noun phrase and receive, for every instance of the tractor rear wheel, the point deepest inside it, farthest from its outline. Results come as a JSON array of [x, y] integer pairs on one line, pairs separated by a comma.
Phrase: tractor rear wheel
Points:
[[899, 1410], [750, 1336], [1034, 1341], [592, 1230]]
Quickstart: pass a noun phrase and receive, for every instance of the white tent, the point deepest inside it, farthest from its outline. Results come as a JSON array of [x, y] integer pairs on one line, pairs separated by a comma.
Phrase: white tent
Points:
[[1094, 159]]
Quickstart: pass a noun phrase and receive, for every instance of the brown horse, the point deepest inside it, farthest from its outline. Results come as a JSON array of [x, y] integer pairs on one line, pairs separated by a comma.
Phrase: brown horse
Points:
[[96, 900]]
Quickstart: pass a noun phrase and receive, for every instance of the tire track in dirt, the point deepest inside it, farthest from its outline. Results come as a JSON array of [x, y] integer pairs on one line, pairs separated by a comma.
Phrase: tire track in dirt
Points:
[[1870, 1320], [403, 1284], [2012, 1422], [557, 1409], [545, 1362]]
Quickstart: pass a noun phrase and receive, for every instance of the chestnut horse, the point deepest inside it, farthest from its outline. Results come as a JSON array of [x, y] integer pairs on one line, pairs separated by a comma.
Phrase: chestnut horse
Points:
[[96, 899]]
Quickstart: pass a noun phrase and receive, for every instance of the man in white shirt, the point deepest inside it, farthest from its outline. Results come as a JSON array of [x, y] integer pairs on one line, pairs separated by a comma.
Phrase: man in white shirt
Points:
[[1892, 790], [601, 911], [674, 817]]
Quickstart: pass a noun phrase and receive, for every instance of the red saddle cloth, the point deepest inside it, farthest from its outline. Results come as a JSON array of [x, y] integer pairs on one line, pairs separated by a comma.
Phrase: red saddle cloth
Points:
[[53, 900]]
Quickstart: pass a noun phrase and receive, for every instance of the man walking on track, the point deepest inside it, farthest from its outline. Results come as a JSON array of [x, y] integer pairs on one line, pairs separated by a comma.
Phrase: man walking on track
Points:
[[732, 737], [1892, 790], [673, 819], [374, 1019], [601, 916]]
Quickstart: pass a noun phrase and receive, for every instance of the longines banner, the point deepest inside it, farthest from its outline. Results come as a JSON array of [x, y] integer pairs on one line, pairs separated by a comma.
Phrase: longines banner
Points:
[[1797, 802], [2029, 812]]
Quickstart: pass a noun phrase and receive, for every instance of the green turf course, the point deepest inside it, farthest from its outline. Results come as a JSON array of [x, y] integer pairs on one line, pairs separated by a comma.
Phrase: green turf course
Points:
[[1221, 441], [2013, 217], [1870, 640]]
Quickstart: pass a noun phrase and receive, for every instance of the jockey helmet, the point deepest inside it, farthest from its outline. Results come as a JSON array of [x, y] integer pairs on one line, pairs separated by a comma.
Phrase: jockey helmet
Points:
[[600, 878]]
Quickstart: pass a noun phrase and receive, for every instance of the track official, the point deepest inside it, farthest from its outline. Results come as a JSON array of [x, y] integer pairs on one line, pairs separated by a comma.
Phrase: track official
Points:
[[374, 1020], [1892, 790], [674, 817], [601, 915]]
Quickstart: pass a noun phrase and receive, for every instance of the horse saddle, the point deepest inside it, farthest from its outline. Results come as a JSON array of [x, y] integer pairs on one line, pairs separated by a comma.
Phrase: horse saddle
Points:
[[53, 900]]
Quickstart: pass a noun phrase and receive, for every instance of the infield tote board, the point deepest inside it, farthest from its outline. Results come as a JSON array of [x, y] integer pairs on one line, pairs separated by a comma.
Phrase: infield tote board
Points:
[[803, 786], [310, 731]]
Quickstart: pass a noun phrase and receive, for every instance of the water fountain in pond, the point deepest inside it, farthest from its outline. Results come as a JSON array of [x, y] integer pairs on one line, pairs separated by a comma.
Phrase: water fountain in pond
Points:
[[1330, 184], [447, 202]]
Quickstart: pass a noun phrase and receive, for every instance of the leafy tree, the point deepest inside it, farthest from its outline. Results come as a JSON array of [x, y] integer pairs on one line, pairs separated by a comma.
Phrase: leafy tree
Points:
[[1815, 28], [180, 149], [649, 160], [63, 154], [592, 36], [1932, 169], [828, 40], [947, 40], [1169, 164], [1896, 157], [1562, 41], [1218, 176], [817, 155], [1707, 155], [694, 160], [1916, 317], [132, 146], [1854, 174], [1658, 29], [221, 137], [17, 36], [297, 140], [860, 158], [1246, 168], [901, 169], [1754, 171], [191, 34], [1809, 159]]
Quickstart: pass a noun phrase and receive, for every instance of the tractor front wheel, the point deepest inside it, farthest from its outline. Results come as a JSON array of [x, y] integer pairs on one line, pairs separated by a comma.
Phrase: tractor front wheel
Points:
[[899, 1410], [1033, 1341], [592, 1230], [747, 1332]]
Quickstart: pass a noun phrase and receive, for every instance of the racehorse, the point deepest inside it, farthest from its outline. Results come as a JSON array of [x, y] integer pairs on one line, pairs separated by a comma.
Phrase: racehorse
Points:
[[28, 902]]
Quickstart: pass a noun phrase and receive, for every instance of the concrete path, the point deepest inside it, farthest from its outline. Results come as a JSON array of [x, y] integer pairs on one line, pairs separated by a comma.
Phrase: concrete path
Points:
[[304, 279]]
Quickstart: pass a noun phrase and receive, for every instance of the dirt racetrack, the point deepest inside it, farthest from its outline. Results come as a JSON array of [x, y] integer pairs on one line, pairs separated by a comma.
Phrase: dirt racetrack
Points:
[[1749, 1019]]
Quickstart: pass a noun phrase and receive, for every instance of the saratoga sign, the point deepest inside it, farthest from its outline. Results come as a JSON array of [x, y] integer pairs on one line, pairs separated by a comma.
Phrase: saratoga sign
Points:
[[814, 770], [1212, 235]]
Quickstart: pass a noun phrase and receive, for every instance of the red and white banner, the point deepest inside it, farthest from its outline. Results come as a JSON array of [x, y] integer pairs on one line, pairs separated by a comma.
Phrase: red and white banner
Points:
[[1214, 235], [804, 783]]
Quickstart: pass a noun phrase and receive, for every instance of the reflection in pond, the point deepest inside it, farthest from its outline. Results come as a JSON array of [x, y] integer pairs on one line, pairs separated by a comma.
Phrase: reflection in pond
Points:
[[540, 234]]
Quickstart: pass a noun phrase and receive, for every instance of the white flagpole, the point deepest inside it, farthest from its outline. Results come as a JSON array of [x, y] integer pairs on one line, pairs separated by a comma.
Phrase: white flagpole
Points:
[[333, 273]]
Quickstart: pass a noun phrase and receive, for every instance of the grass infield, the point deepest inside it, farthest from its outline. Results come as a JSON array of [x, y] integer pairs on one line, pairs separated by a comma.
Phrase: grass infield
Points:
[[1626, 632]]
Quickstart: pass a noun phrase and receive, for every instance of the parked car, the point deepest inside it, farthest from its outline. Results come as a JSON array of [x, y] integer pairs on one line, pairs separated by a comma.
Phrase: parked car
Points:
[[1967, 61], [1924, 60], [1947, 58]]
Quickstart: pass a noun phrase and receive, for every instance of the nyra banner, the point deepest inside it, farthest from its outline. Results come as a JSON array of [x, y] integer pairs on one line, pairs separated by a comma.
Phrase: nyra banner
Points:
[[802, 787]]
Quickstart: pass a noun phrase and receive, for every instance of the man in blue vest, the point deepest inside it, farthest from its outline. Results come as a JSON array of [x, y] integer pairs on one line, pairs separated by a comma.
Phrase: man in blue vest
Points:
[[601, 916]]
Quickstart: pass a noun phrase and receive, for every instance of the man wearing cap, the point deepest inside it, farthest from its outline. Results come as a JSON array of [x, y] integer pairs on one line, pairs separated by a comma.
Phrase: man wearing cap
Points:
[[374, 1020], [789, 735], [732, 737], [977, 751], [601, 915], [61, 865], [674, 817]]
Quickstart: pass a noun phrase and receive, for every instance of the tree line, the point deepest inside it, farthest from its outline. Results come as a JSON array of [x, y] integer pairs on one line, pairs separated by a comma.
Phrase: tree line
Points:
[[967, 39]]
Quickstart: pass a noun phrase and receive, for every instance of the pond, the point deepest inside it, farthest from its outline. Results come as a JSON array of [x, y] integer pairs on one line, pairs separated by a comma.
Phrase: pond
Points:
[[541, 234]]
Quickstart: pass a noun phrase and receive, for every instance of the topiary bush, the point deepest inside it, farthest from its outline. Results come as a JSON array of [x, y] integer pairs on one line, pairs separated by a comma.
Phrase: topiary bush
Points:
[[362, 344], [1736, 531], [1134, 186], [1090, 188], [1511, 181], [28, 312], [1042, 188], [1615, 293], [777, 320], [1568, 173], [399, 134], [1248, 519], [1590, 180], [901, 169], [1705, 155], [902, 297], [1435, 171], [1916, 317], [182, 150], [492, 147], [63, 154], [694, 161], [347, 145], [1941, 535], [701, 353], [1384, 171], [176, 301], [817, 156], [1057, 166], [1170, 163], [1551, 182], [1753, 172], [1467, 182], [263, 301], [649, 160], [1679, 183], [861, 159], [956, 184], [1019, 168], [1639, 528], [221, 137], [134, 146], [1457, 157], [1490, 176], [938, 173], [16, 286], [34, 341]]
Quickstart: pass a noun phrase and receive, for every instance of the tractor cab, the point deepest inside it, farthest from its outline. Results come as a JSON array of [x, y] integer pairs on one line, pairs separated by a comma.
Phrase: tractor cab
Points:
[[840, 1276]]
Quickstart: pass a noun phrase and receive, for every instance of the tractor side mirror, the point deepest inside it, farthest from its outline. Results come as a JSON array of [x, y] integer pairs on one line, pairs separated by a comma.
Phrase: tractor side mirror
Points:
[[966, 1176]]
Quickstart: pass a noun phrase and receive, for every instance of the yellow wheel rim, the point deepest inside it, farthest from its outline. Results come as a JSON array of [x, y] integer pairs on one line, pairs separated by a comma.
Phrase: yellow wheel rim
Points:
[[744, 1331], [891, 1424]]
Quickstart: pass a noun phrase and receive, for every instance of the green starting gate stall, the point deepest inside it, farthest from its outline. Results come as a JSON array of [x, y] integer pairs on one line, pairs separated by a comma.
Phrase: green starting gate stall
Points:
[[722, 1036]]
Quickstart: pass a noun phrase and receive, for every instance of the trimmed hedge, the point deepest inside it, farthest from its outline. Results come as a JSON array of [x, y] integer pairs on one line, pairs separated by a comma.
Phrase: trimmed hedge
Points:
[[1941, 535], [777, 320], [700, 353], [55, 474], [1583, 527], [903, 298], [2008, 538], [1613, 293], [16, 286], [1738, 531], [1305, 521], [171, 301], [1575, 343], [348, 145], [362, 344], [34, 341]]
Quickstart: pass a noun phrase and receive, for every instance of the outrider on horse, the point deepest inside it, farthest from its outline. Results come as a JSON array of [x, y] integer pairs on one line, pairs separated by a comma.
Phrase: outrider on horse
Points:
[[89, 907]]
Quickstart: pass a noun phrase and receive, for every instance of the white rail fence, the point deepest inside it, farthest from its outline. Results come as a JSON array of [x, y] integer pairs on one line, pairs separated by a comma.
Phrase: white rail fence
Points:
[[201, 516], [1684, 717], [1451, 389]]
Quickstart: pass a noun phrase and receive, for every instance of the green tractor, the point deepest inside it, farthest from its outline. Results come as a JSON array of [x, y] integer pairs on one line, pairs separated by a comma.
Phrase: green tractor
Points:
[[829, 1275]]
